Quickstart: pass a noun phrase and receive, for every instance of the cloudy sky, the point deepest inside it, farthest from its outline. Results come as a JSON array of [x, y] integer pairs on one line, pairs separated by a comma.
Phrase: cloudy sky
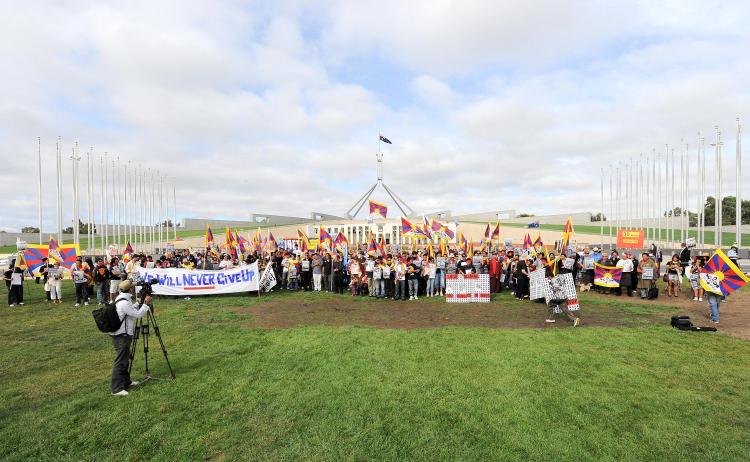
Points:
[[275, 106]]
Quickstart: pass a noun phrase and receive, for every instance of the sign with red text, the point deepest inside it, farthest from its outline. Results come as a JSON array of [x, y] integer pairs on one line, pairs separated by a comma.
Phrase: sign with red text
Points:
[[630, 239]]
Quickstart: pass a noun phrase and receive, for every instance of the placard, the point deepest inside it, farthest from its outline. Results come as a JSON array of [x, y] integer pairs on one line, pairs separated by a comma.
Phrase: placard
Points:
[[630, 239], [647, 274], [467, 288], [440, 261]]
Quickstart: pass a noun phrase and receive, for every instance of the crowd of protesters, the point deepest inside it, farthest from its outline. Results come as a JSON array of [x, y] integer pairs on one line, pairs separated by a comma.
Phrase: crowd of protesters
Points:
[[401, 276]]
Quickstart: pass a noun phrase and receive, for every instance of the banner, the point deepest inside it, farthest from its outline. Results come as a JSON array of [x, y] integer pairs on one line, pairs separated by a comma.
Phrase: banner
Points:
[[720, 276], [607, 276], [467, 288], [630, 239], [562, 287], [181, 281]]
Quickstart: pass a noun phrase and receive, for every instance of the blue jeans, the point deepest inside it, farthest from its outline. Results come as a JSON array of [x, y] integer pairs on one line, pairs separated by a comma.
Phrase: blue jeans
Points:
[[713, 305], [430, 286], [413, 287], [439, 280], [380, 288], [399, 290], [292, 285]]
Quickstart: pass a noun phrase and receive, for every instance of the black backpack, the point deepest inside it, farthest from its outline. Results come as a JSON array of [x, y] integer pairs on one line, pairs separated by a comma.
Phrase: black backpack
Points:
[[107, 319], [653, 293]]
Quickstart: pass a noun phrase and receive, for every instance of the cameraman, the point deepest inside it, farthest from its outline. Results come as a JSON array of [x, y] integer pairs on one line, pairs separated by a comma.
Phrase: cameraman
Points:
[[122, 337]]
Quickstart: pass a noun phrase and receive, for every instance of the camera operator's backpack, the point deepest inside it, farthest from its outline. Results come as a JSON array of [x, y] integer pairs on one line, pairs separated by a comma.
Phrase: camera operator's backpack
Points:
[[107, 319]]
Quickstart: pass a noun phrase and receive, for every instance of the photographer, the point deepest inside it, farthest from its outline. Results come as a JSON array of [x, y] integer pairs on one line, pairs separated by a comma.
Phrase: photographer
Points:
[[122, 337]]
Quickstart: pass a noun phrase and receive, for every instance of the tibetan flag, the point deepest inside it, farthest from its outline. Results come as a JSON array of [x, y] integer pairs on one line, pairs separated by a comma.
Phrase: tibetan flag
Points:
[[443, 247], [373, 249], [527, 242], [21, 261], [496, 232], [54, 251], [272, 244], [720, 276], [34, 255], [128, 249], [341, 242], [407, 228], [463, 243], [242, 243], [304, 243], [431, 250], [607, 276], [487, 232], [325, 239], [471, 248], [209, 237], [567, 234], [441, 230], [538, 244], [258, 241], [427, 229], [231, 244], [376, 208], [385, 140], [381, 246]]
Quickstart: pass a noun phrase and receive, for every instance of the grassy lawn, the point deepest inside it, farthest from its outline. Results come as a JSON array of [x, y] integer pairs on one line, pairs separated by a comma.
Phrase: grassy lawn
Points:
[[643, 392], [728, 238]]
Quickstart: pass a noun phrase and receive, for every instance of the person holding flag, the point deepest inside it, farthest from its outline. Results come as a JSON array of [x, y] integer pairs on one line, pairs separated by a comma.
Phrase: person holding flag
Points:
[[719, 278]]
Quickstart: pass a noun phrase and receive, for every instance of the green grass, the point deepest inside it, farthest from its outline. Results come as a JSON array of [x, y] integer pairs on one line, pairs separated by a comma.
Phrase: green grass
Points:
[[355, 393], [728, 238]]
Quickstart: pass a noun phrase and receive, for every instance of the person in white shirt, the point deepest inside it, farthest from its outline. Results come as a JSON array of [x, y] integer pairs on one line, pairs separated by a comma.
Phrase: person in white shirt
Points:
[[122, 337], [226, 263], [430, 270], [626, 279]]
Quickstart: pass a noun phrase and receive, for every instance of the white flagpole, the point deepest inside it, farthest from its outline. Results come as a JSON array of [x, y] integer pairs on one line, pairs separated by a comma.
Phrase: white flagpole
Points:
[[105, 186], [161, 213], [660, 182], [611, 205], [126, 205], [671, 197], [174, 208], [152, 214], [601, 217], [640, 192], [702, 181], [682, 191], [116, 184], [89, 250], [59, 191], [75, 191], [101, 204], [717, 181], [618, 202], [39, 191], [738, 179]]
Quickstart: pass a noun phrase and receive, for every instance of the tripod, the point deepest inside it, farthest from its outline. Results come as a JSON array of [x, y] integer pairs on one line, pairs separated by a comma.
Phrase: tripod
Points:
[[143, 327]]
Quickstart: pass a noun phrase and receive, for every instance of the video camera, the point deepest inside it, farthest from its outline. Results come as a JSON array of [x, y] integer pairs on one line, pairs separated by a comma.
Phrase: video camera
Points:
[[146, 288]]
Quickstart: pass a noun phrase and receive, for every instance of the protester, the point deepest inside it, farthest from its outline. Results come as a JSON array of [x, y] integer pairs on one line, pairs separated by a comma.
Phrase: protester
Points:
[[674, 271], [695, 278], [116, 275], [101, 279], [647, 269], [55, 276], [80, 281]]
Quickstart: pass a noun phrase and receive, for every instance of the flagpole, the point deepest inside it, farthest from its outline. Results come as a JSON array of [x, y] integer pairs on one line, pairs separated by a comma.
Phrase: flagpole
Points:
[[39, 184], [611, 208], [174, 208], [618, 203], [88, 203], [601, 216], [101, 203], [717, 185], [701, 192], [738, 180], [59, 190], [160, 211], [660, 182]]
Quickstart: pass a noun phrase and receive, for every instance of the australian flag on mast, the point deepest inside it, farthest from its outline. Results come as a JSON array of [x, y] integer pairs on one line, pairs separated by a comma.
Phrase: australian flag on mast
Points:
[[384, 139]]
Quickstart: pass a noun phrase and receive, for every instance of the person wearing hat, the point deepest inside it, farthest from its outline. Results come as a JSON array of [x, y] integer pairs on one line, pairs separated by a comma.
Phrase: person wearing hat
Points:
[[122, 337], [81, 283], [733, 254]]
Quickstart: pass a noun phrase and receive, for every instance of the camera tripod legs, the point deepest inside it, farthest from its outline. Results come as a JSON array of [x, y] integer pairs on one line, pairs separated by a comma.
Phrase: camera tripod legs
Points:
[[143, 328]]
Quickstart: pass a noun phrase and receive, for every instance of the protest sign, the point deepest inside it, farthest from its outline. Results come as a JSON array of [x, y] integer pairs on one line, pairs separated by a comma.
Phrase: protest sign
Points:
[[467, 288]]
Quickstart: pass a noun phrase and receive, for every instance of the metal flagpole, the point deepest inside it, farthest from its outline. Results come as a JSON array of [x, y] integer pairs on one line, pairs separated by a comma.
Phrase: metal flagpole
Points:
[[611, 205], [601, 216], [101, 203], [59, 191], [126, 205], [660, 183], [618, 201], [161, 212], [640, 192], [39, 190], [89, 250], [628, 168], [105, 185], [717, 197], [738, 179], [74, 162], [652, 189], [682, 191], [116, 186], [702, 181], [152, 211], [174, 208], [671, 197], [683, 179]]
